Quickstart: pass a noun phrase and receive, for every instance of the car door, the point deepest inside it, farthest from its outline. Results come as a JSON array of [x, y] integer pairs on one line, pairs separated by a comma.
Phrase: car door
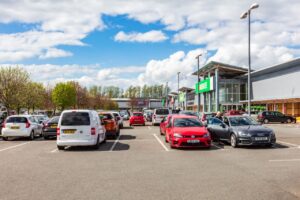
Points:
[[214, 126], [169, 128], [35, 126], [280, 117]]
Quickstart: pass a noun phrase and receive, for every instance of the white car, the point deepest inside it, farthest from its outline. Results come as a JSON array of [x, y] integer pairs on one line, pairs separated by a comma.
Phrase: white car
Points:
[[21, 126], [159, 114], [80, 128]]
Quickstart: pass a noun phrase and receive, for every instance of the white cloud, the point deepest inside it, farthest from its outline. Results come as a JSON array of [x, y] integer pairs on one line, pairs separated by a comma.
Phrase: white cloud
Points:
[[150, 36], [55, 53]]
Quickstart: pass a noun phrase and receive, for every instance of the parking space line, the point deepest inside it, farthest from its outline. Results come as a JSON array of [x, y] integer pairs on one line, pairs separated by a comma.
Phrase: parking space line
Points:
[[285, 160], [160, 142], [287, 143], [15, 146], [54, 150], [217, 146], [115, 143], [149, 127]]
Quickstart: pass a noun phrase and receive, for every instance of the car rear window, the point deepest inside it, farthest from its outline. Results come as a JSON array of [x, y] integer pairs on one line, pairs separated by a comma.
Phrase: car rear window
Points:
[[54, 120], [75, 119], [162, 112], [138, 114], [106, 116], [16, 120]]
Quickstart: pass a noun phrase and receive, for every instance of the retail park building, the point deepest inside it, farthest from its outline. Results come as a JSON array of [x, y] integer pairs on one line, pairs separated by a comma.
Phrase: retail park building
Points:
[[224, 87]]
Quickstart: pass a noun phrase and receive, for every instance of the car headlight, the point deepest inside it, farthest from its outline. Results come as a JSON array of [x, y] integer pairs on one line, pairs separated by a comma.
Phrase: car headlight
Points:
[[272, 133], [206, 135], [243, 134], [177, 135]]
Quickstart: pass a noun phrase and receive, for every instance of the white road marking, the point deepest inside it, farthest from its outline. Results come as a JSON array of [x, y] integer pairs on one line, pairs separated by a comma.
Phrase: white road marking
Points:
[[286, 160], [217, 146], [160, 142], [15, 146], [294, 145], [149, 127], [54, 150], [115, 143]]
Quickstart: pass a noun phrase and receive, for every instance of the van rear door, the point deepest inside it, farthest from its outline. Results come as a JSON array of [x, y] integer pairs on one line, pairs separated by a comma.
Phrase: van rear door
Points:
[[76, 125]]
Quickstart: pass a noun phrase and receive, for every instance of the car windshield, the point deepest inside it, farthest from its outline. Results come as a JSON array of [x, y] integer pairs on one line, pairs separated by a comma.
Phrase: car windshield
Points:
[[16, 120], [242, 121], [162, 112], [75, 119], [187, 122]]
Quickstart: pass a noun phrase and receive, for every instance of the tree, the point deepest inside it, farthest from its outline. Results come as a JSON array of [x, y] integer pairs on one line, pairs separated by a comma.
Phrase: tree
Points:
[[64, 95], [34, 96], [13, 81]]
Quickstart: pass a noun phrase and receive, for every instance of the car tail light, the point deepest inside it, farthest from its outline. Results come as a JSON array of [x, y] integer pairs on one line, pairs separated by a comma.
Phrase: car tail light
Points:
[[27, 124], [259, 116], [57, 131], [93, 131], [46, 125]]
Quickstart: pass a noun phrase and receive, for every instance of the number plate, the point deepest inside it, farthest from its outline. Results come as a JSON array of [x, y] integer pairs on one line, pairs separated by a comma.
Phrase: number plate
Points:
[[260, 138], [69, 131], [193, 141], [15, 127], [53, 126]]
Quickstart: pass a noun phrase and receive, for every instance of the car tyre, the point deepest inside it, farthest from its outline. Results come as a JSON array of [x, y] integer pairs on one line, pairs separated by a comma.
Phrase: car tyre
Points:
[[288, 121], [266, 121], [60, 147], [233, 141], [96, 146], [104, 141], [31, 136], [5, 138]]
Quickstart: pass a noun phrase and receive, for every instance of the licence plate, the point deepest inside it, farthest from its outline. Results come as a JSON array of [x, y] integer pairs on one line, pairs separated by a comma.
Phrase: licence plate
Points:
[[260, 138], [193, 141], [15, 127], [69, 131], [53, 126]]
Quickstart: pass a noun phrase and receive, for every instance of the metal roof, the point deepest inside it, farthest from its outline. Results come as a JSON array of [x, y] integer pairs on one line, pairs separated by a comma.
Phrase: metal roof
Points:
[[183, 89]]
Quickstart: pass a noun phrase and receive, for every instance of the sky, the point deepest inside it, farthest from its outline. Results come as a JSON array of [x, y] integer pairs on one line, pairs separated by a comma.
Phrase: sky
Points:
[[135, 42]]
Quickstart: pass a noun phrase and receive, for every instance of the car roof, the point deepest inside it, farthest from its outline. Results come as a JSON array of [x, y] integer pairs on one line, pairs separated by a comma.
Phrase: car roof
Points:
[[75, 110], [184, 116]]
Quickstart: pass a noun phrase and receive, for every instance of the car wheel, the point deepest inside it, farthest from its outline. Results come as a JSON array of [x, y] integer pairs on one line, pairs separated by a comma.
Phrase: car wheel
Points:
[[60, 147], [288, 121], [233, 141], [31, 137], [269, 145], [104, 141], [266, 121], [5, 138], [144, 124], [166, 140]]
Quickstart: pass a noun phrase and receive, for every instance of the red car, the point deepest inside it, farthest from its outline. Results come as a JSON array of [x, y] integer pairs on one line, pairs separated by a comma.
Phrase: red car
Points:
[[187, 131], [163, 124], [137, 119]]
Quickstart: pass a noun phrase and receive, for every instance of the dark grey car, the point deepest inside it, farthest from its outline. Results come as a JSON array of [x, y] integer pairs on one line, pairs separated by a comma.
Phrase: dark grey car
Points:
[[240, 130]]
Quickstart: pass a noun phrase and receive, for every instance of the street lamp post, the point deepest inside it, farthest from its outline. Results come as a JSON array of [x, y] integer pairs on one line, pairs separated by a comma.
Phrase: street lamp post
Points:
[[243, 16], [198, 65], [178, 88]]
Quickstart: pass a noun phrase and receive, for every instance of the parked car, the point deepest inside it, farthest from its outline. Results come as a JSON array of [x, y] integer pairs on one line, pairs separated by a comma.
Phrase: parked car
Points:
[[187, 112], [240, 130], [233, 112], [163, 124], [79, 128], [274, 116], [148, 115], [187, 131], [110, 124], [125, 114], [20, 126], [41, 118], [204, 116], [119, 119], [137, 118], [159, 114], [49, 129]]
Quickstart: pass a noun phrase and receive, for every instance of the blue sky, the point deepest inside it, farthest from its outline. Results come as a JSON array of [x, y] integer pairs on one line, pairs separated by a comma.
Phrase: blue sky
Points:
[[114, 42]]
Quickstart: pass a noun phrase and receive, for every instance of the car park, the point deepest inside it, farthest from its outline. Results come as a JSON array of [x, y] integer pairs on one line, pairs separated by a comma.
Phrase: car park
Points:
[[187, 131], [274, 116], [49, 129], [159, 114], [79, 128], [20, 126], [119, 119], [110, 124], [240, 130], [137, 118]]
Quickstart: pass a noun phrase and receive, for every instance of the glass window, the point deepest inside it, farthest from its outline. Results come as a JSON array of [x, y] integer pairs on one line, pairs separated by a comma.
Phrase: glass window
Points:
[[162, 111], [75, 119], [16, 120], [187, 122]]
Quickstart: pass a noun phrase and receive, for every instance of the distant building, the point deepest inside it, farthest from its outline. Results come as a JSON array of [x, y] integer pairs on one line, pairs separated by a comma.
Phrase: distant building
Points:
[[138, 103]]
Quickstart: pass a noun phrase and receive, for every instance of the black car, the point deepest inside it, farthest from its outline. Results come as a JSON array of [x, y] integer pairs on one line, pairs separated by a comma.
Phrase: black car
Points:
[[274, 116], [240, 130], [49, 129]]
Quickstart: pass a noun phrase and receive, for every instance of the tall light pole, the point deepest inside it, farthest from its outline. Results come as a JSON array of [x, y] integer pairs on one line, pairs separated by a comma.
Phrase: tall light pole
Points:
[[166, 103], [178, 88], [243, 16], [198, 61]]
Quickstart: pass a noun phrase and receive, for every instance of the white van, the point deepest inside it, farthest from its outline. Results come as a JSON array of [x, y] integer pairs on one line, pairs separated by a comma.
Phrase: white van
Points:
[[79, 128], [159, 114]]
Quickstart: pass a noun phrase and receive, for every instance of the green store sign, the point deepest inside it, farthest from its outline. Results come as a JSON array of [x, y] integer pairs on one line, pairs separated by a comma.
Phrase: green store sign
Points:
[[205, 85], [181, 97]]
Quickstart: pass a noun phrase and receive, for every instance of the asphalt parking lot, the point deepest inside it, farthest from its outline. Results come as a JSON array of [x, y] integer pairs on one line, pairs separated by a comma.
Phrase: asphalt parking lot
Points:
[[140, 165]]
